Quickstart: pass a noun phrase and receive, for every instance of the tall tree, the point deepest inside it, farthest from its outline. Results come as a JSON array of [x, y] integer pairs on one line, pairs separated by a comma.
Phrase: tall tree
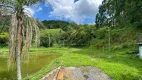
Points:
[[120, 13], [21, 30]]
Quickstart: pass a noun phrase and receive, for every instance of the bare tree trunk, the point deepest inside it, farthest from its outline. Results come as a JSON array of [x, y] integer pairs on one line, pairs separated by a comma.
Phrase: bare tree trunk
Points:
[[18, 65], [63, 43], [109, 39], [49, 40], [19, 47]]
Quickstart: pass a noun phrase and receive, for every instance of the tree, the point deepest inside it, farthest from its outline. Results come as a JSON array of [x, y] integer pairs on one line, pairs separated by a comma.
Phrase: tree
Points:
[[120, 13], [21, 30]]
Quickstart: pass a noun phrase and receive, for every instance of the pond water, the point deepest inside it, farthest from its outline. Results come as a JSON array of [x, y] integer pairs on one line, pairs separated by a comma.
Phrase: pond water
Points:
[[36, 62]]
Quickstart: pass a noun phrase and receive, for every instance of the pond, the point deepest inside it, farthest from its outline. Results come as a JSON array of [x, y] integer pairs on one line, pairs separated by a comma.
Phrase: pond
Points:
[[36, 62]]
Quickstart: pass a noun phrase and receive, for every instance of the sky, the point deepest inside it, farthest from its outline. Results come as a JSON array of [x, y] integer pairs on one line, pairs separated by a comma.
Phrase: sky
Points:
[[79, 11]]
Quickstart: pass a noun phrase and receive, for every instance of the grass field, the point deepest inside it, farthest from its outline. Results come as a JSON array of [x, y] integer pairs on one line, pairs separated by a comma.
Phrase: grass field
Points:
[[117, 64]]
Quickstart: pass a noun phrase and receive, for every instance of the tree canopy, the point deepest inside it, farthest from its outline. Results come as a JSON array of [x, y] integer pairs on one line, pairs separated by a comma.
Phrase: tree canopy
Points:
[[120, 13]]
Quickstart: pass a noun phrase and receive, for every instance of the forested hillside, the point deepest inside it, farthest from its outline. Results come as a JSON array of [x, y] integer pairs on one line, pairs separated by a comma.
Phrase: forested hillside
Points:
[[63, 33], [67, 34], [113, 36]]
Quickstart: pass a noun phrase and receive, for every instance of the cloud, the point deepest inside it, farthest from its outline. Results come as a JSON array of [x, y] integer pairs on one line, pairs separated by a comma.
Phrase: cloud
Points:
[[76, 11], [31, 10], [39, 9]]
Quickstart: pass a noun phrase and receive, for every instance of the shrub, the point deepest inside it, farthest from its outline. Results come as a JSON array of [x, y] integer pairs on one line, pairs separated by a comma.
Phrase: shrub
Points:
[[4, 38], [45, 41]]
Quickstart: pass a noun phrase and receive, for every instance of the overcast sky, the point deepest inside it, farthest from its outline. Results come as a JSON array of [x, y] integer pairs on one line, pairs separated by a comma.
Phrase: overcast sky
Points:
[[79, 11]]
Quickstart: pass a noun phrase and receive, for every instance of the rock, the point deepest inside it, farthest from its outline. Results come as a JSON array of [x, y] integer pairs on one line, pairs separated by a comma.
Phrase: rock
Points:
[[132, 52], [78, 73], [109, 57]]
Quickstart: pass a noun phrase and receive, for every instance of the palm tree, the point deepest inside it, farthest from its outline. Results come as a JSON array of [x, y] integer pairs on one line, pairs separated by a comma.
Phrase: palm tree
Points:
[[21, 30]]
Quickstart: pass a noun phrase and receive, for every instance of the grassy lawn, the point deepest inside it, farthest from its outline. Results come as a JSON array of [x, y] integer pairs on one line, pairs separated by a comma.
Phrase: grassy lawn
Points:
[[117, 64]]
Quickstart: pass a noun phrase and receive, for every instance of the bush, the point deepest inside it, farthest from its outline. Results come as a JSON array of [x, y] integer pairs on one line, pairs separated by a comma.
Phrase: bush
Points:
[[101, 33], [4, 38], [45, 41]]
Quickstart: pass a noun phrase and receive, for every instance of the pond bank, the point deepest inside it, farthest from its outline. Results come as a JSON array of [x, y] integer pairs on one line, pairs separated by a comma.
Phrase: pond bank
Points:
[[36, 62]]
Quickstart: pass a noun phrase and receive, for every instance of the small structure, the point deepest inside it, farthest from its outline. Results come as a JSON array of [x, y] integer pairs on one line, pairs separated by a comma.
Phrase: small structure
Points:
[[140, 50]]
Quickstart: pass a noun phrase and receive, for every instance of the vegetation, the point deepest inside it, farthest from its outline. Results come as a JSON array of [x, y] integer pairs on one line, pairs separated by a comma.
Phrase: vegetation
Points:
[[38, 59], [116, 63], [110, 44], [4, 38], [52, 24], [4, 23], [50, 37], [73, 36], [21, 29], [119, 13]]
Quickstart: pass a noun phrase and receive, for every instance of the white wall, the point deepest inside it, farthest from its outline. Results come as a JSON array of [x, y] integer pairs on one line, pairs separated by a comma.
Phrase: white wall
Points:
[[140, 51]]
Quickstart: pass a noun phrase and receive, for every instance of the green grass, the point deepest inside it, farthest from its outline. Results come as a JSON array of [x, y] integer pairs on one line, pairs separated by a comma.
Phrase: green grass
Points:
[[117, 64], [40, 50]]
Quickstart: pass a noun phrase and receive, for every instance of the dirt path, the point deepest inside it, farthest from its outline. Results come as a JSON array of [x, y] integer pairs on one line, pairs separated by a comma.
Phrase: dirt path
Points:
[[80, 73]]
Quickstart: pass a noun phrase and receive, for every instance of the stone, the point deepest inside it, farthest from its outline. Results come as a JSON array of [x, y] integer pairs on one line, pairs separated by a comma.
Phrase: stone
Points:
[[77, 73]]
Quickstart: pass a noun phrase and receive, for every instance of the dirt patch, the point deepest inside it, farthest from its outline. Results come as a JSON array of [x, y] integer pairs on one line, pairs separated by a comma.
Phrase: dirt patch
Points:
[[80, 73]]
